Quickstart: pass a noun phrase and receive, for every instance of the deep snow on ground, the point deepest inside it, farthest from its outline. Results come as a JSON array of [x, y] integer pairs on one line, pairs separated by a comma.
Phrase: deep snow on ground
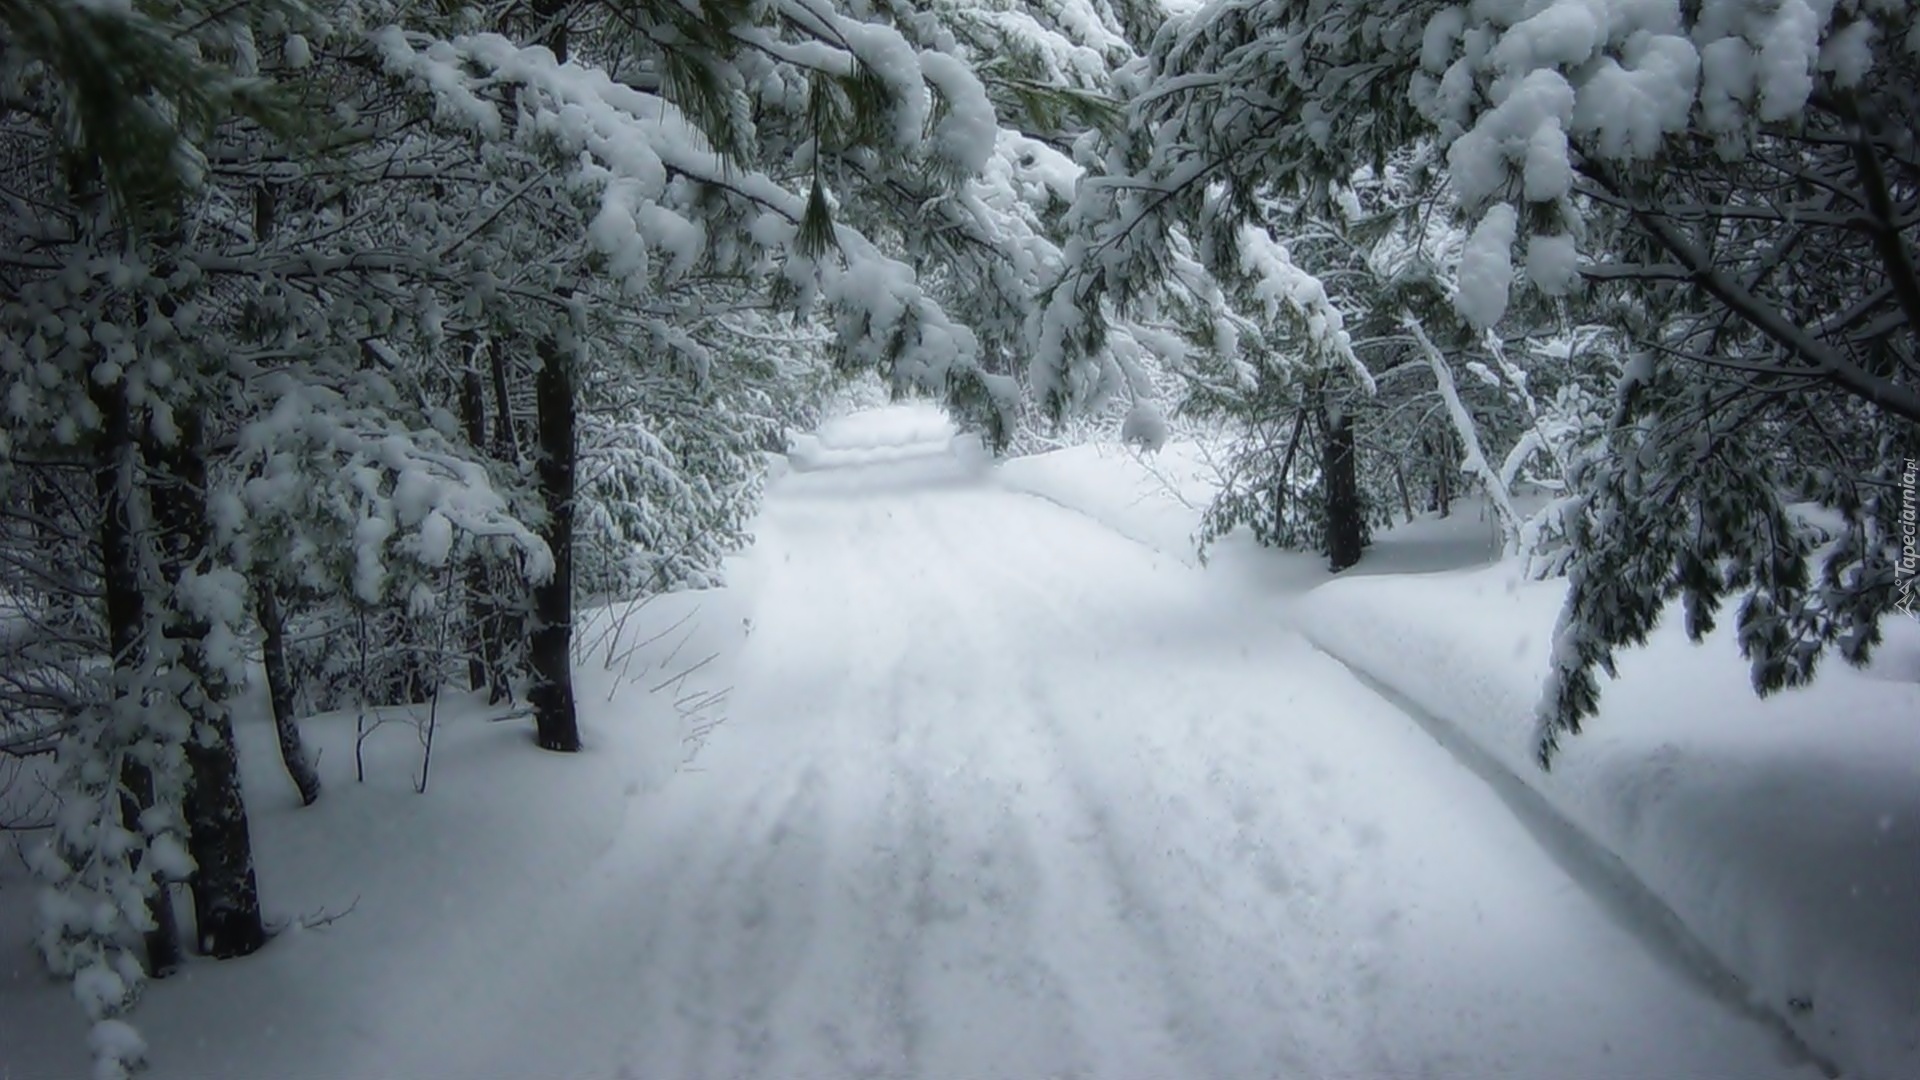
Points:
[[999, 793], [1778, 840], [1784, 832]]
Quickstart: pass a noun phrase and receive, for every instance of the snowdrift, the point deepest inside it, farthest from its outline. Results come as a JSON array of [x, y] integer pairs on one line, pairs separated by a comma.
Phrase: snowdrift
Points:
[[882, 436], [1152, 499], [1784, 834]]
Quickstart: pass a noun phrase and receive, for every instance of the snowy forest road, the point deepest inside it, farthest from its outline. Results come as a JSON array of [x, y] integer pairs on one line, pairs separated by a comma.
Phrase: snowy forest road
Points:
[[1006, 795]]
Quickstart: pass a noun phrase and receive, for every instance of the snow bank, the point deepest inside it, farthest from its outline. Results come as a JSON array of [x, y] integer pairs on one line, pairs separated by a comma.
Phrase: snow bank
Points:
[[1784, 834], [893, 425], [806, 454], [1155, 499], [873, 436]]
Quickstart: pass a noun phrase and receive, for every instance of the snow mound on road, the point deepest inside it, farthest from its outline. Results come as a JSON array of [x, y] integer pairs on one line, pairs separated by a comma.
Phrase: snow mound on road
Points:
[[1153, 501], [873, 437], [1784, 833], [910, 424]]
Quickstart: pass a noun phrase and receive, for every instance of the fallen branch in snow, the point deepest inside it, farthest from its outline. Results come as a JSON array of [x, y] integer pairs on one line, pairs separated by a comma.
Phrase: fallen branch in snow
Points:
[[616, 629], [320, 919], [711, 657], [692, 705], [626, 659], [1166, 483]]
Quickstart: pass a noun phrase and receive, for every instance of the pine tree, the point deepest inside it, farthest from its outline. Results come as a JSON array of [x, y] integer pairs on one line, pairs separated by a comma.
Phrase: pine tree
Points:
[[1736, 236]]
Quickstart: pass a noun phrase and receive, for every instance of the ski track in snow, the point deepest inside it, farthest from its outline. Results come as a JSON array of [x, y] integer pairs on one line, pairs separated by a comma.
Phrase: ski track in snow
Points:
[[1005, 795]]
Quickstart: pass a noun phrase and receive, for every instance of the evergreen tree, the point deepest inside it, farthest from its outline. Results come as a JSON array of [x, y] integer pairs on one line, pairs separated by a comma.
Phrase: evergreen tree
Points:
[[1731, 180]]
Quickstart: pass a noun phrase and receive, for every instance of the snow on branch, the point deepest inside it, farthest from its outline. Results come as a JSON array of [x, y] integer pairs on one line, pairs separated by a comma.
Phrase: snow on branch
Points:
[[650, 164], [1279, 283], [348, 488]]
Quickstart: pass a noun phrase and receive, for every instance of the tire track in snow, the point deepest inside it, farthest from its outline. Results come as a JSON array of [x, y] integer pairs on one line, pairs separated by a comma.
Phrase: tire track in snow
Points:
[[981, 954], [1280, 903], [973, 988], [1185, 1016], [745, 943], [743, 907], [859, 1017]]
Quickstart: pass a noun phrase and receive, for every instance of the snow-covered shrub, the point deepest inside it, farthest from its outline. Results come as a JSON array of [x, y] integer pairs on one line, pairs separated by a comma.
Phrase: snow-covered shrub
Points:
[[369, 528]]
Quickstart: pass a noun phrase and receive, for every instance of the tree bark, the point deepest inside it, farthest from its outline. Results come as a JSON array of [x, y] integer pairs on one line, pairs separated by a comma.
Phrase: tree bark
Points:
[[1406, 497], [273, 651], [1346, 529], [506, 624], [505, 446], [126, 612], [1280, 479], [226, 895], [273, 625], [484, 667], [551, 644], [1443, 464]]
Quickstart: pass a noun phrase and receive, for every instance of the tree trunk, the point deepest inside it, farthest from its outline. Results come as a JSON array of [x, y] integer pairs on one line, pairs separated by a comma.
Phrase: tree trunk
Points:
[[273, 652], [506, 624], [484, 667], [1442, 475], [552, 639], [1280, 479], [226, 896], [1346, 527], [273, 625], [1406, 497], [126, 612]]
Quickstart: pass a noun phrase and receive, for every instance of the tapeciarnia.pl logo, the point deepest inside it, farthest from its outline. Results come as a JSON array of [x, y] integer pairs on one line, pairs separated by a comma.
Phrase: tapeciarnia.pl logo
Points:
[[1907, 569]]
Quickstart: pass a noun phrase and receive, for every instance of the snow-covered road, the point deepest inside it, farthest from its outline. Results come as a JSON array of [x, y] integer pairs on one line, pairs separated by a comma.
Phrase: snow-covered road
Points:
[[1006, 795]]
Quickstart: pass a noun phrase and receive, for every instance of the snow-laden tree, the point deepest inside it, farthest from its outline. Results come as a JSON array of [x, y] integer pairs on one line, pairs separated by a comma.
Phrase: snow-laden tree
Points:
[[989, 243], [641, 194], [1722, 186], [1166, 264], [159, 300], [1289, 374], [1743, 195], [672, 457], [98, 363]]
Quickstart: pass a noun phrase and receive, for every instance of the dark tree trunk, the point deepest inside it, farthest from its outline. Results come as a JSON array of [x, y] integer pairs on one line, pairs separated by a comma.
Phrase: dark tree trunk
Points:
[[273, 654], [226, 896], [1346, 526], [484, 665], [1280, 479], [506, 446], [505, 622], [551, 644], [273, 623], [126, 612], [1443, 466], [473, 406], [1400, 480]]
